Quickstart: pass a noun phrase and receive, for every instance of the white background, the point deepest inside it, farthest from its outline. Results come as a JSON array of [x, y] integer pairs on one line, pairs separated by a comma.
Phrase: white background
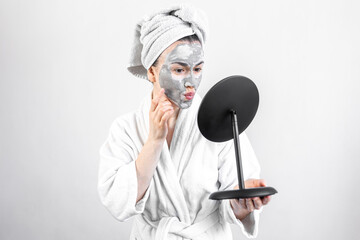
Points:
[[63, 80]]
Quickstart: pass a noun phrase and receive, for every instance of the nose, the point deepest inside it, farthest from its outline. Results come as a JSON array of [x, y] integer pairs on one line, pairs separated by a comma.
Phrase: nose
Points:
[[189, 84], [190, 89], [190, 80]]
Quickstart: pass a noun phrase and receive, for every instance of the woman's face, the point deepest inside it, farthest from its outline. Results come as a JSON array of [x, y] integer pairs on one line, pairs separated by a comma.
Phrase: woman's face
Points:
[[180, 71]]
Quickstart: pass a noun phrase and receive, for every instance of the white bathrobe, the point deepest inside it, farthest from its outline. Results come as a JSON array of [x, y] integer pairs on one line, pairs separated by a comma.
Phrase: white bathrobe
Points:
[[176, 204]]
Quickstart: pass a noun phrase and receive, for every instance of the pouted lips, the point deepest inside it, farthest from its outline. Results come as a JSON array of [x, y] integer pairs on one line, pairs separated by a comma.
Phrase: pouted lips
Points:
[[189, 95]]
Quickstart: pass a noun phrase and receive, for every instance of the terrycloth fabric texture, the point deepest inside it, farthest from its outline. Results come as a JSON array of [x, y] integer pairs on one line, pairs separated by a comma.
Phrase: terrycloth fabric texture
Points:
[[155, 32], [176, 204]]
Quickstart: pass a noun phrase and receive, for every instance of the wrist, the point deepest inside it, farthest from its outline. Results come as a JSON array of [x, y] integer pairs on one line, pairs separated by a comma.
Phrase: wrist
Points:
[[157, 143]]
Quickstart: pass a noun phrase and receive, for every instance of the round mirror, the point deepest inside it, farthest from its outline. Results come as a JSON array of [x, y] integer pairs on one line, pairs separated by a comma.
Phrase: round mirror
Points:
[[237, 93]]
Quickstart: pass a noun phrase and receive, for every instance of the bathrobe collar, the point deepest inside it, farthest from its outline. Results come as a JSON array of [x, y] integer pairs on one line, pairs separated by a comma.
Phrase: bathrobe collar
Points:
[[170, 166]]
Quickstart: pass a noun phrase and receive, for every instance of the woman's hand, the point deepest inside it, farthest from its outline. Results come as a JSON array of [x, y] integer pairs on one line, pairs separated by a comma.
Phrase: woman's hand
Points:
[[243, 207], [160, 111]]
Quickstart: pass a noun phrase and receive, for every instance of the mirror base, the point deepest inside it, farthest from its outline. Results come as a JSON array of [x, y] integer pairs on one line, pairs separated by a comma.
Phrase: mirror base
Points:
[[243, 193]]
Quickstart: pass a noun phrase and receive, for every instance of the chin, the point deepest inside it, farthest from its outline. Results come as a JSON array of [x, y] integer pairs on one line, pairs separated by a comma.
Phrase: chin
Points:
[[185, 105]]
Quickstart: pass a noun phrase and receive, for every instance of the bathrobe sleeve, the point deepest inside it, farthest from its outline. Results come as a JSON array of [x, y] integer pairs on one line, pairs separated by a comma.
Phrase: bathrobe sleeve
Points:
[[117, 179], [228, 180]]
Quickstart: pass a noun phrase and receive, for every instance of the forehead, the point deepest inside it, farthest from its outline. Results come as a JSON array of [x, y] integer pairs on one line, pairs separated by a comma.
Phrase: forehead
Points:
[[185, 51]]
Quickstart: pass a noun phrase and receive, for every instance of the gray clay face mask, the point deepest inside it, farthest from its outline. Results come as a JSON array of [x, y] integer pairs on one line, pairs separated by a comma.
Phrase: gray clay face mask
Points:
[[182, 68]]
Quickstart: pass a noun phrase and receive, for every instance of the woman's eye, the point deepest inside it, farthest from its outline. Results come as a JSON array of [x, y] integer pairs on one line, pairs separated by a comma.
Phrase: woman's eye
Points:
[[179, 70], [197, 69]]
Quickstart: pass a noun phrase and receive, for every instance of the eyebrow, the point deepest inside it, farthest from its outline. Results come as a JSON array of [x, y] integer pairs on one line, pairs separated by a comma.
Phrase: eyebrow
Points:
[[185, 64]]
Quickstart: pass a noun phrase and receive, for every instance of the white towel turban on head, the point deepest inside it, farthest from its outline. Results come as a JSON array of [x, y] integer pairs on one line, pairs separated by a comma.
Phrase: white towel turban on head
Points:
[[155, 32]]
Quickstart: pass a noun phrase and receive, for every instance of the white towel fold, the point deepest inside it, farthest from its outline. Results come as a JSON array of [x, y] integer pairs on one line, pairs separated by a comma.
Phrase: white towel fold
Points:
[[155, 32]]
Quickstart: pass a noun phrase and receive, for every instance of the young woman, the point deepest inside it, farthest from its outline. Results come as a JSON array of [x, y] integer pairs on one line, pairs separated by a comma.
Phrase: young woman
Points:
[[155, 164]]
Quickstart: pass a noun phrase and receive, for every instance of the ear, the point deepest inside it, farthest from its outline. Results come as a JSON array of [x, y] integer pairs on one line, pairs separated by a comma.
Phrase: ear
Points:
[[151, 73]]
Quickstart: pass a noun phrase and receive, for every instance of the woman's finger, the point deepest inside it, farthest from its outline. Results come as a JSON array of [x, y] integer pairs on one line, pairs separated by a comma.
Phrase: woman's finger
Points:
[[252, 183], [155, 100], [163, 98], [262, 183], [165, 117], [257, 203], [165, 104], [157, 115], [249, 204], [160, 111], [265, 200], [242, 203]]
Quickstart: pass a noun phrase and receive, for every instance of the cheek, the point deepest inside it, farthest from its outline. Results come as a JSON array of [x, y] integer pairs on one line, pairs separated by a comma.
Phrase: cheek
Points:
[[198, 75], [176, 77], [169, 81], [197, 80], [164, 77]]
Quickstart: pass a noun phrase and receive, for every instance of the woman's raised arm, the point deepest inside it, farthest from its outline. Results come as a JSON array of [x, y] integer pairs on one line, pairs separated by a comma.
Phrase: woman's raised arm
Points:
[[123, 181]]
